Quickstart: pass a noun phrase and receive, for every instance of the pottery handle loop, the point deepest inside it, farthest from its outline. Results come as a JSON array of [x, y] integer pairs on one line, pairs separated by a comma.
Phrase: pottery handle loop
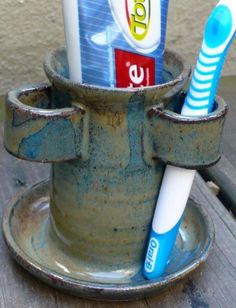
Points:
[[33, 131], [187, 142]]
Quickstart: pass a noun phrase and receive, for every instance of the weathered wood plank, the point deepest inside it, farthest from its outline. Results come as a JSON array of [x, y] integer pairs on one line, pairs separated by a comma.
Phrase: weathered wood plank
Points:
[[224, 173], [227, 90], [212, 285]]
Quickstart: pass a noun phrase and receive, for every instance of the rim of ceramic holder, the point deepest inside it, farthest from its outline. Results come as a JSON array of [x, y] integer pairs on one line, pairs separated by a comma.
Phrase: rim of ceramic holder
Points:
[[50, 64]]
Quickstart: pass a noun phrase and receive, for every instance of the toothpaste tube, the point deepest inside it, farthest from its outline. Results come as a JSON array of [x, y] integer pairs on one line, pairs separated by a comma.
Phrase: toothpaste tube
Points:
[[120, 43]]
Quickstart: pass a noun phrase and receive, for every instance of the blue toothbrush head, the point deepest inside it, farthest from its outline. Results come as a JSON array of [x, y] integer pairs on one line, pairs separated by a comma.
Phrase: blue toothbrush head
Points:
[[219, 32], [220, 27]]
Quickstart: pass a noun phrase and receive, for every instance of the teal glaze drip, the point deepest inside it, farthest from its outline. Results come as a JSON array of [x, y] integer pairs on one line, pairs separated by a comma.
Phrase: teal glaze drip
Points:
[[82, 146], [40, 242], [34, 145], [135, 128]]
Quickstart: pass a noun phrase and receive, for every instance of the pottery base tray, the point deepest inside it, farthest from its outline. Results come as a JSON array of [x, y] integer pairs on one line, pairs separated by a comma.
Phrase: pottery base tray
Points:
[[27, 232]]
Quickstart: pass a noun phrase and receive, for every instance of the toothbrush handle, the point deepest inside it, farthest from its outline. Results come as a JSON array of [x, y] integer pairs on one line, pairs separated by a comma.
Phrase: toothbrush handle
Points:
[[167, 219], [219, 33], [158, 252]]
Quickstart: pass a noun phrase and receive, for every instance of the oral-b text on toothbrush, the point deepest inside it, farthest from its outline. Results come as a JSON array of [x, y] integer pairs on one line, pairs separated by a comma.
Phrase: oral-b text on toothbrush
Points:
[[151, 255]]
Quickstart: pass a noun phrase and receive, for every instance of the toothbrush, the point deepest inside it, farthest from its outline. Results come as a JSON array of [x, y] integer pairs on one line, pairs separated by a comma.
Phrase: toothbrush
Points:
[[71, 21], [177, 182]]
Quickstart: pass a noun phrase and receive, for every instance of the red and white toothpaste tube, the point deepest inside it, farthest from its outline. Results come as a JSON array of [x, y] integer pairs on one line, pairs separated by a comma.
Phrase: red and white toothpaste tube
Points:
[[115, 43]]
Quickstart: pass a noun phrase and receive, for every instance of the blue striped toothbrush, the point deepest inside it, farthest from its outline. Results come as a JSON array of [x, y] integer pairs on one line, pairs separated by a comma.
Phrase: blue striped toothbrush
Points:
[[177, 182]]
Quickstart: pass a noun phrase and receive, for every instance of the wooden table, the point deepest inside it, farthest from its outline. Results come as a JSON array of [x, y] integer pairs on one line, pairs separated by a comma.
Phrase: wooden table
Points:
[[212, 285], [224, 173]]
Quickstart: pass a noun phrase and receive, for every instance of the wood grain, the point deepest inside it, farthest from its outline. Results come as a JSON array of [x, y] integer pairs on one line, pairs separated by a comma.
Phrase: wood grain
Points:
[[224, 173]]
